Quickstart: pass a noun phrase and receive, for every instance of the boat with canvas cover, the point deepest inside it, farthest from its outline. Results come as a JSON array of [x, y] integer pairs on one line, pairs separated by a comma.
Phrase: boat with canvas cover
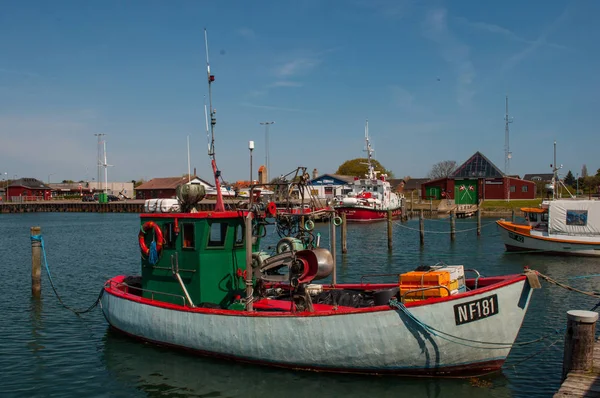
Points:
[[559, 226], [208, 287]]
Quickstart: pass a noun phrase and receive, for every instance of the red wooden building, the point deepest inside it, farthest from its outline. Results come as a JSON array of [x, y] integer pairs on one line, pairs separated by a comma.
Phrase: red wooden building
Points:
[[28, 189], [165, 188], [478, 178]]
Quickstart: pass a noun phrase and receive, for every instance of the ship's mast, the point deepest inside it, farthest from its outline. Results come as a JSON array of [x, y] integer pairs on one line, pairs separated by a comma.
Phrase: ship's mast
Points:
[[213, 120], [507, 153], [370, 170]]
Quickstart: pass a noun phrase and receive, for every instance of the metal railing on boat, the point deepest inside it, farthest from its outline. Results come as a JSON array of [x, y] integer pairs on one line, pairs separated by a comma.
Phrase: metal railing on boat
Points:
[[113, 284]]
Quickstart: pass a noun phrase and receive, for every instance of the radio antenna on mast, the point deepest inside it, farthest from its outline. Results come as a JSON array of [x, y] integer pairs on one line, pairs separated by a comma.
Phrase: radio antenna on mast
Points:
[[213, 120], [507, 153]]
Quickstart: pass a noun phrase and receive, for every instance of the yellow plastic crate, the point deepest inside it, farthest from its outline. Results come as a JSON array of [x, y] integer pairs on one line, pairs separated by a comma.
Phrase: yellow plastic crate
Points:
[[425, 278], [433, 292]]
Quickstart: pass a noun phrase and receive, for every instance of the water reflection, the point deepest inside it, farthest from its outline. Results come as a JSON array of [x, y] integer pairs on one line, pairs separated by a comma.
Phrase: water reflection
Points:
[[157, 371]]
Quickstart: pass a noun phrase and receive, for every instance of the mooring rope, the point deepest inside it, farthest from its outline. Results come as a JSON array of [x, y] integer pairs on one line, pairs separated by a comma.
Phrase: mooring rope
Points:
[[39, 238], [443, 232], [447, 336], [571, 288]]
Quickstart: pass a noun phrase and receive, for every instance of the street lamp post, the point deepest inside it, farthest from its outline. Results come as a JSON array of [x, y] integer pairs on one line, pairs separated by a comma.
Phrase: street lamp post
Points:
[[250, 147], [51, 174], [577, 189], [267, 166]]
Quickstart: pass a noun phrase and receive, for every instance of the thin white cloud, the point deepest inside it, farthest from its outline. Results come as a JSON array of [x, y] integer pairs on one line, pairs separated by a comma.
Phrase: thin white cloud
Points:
[[286, 83], [402, 97], [388, 8], [453, 51], [275, 108], [18, 72], [297, 66], [499, 30], [247, 33], [541, 40]]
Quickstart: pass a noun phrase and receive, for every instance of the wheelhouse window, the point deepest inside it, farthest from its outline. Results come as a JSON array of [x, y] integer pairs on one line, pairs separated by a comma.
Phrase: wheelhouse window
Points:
[[169, 235], [189, 235], [239, 235], [217, 234]]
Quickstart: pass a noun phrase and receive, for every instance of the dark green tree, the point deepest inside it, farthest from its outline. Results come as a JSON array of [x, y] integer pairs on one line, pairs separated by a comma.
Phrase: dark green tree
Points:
[[569, 179], [358, 168]]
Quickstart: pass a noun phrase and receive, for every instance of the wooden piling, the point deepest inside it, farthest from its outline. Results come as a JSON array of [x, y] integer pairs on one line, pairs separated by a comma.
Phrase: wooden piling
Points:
[[452, 226], [421, 227], [478, 221], [344, 234], [36, 263], [579, 341], [389, 230], [513, 216]]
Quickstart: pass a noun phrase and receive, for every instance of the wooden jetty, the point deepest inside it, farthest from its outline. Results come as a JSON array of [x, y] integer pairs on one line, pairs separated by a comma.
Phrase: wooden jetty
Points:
[[581, 363]]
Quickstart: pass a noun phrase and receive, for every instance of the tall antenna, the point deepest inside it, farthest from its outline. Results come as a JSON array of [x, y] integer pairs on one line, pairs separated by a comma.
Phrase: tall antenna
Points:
[[99, 159], [507, 153], [211, 149], [188, 153], [267, 165]]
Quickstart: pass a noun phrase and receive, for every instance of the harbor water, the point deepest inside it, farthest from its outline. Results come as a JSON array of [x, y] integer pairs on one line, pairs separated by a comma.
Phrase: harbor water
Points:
[[48, 351]]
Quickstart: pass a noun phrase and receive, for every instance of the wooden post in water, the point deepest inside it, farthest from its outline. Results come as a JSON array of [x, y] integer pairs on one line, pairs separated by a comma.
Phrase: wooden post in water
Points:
[[579, 341], [389, 229], [452, 226], [478, 221], [513, 215], [421, 227], [430, 207], [36, 263], [344, 234], [333, 244]]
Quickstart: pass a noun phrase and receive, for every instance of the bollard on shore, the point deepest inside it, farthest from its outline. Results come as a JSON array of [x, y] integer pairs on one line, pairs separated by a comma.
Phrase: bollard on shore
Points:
[[579, 341], [36, 263]]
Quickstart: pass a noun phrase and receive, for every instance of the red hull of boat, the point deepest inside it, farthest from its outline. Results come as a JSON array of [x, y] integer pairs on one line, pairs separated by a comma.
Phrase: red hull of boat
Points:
[[365, 215]]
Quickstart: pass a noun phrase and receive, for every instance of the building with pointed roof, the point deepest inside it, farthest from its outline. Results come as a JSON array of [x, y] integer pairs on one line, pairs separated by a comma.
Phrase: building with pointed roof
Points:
[[478, 178]]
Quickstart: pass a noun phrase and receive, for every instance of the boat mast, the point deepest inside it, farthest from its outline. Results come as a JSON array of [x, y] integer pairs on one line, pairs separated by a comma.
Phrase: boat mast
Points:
[[213, 120], [370, 171]]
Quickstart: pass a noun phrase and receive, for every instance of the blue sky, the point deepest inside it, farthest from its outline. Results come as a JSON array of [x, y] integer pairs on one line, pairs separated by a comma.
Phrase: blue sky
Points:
[[431, 77]]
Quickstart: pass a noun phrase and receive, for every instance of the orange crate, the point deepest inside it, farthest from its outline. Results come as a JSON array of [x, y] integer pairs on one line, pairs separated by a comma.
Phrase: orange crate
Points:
[[433, 292], [425, 278]]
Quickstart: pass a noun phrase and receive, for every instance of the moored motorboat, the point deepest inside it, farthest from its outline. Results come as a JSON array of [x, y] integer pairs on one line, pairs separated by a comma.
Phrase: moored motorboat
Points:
[[207, 286], [559, 226]]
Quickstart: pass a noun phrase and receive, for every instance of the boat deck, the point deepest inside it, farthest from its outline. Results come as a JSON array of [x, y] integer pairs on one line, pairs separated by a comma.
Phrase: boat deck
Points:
[[583, 384]]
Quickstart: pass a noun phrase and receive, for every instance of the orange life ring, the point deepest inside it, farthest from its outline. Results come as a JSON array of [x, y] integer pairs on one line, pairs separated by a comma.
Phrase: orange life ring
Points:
[[157, 233], [271, 210]]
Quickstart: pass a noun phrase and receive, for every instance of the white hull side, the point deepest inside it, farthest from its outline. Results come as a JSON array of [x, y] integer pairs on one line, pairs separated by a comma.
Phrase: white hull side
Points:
[[382, 341], [518, 242]]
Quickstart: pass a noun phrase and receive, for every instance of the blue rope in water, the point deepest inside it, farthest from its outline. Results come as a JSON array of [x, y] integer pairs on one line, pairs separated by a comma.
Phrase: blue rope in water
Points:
[[153, 255], [39, 238]]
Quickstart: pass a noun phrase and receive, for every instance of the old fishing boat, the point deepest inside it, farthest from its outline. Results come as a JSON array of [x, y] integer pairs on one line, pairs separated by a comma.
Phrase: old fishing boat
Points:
[[207, 287], [371, 197], [558, 226]]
